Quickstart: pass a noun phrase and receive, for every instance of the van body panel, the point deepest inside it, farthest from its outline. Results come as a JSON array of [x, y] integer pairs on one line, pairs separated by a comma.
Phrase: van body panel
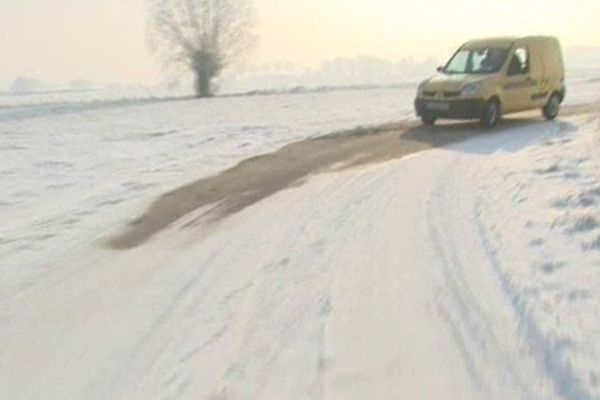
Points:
[[502, 42], [449, 83], [539, 74], [518, 91]]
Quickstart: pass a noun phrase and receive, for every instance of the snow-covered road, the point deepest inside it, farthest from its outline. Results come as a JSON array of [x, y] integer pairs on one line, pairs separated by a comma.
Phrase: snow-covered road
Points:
[[71, 172], [383, 281]]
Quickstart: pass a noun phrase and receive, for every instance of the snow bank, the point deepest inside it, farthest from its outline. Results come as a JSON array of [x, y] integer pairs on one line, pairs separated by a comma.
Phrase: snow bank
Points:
[[540, 209]]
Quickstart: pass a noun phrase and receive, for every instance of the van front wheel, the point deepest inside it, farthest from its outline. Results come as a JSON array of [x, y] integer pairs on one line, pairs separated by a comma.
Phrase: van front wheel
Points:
[[551, 109], [491, 113]]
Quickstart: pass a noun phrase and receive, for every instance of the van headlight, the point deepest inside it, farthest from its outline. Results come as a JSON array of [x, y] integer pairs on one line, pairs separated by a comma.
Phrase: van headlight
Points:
[[470, 89]]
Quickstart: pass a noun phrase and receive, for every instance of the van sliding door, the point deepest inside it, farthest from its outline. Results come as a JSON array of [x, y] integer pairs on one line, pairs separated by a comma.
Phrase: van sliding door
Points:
[[521, 84]]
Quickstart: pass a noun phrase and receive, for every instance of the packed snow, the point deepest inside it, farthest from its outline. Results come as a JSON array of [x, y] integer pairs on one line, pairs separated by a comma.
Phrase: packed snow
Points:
[[541, 211], [463, 272]]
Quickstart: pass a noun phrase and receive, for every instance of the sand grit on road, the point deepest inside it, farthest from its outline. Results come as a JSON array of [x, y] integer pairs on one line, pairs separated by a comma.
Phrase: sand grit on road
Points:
[[260, 177]]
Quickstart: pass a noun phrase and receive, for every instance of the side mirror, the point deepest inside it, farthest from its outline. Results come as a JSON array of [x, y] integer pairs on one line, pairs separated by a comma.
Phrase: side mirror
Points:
[[440, 69]]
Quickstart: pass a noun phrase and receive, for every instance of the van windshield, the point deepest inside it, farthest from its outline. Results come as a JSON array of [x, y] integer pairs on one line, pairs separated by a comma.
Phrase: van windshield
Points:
[[486, 60]]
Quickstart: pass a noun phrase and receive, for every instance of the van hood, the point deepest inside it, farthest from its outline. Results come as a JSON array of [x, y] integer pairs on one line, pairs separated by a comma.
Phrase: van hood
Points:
[[450, 82]]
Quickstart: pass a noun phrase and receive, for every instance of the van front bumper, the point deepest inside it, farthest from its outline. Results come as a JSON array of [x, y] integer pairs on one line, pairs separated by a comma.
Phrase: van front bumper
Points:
[[451, 109]]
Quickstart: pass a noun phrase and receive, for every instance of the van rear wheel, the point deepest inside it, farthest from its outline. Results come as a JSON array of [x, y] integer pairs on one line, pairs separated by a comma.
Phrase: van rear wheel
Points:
[[491, 113], [552, 108]]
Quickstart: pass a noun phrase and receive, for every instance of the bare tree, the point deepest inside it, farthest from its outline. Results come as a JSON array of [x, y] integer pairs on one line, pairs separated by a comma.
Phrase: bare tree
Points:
[[204, 35]]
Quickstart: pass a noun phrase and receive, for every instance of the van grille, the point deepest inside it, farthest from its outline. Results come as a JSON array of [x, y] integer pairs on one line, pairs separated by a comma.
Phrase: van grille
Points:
[[447, 95], [451, 94]]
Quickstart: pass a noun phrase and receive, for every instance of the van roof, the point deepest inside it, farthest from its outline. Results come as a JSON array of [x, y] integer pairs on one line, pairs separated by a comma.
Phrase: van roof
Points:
[[503, 42]]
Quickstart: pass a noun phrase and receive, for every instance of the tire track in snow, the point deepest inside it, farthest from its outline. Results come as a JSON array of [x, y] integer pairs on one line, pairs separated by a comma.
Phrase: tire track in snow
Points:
[[464, 306], [262, 294], [548, 352], [341, 219]]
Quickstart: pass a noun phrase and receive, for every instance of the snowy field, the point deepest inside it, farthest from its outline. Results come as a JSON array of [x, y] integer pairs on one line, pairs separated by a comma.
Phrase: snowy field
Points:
[[70, 176], [75, 165], [464, 272]]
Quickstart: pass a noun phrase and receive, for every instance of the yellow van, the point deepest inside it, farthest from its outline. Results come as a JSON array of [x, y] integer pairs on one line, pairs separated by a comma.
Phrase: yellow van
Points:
[[490, 77]]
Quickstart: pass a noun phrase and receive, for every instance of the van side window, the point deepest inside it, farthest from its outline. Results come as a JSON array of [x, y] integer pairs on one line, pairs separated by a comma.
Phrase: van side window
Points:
[[519, 63]]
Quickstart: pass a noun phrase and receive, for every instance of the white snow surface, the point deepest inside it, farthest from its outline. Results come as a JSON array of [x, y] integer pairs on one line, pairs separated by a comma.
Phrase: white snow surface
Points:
[[71, 173], [541, 212], [465, 272]]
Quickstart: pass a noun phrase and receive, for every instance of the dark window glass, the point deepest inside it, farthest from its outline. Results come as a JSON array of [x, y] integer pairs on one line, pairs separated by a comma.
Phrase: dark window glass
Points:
[[487, 60], [519, 62]]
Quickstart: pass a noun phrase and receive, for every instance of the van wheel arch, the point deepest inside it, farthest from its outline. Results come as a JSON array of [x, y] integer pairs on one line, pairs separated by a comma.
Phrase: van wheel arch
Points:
[[495, 98], [560, 93]]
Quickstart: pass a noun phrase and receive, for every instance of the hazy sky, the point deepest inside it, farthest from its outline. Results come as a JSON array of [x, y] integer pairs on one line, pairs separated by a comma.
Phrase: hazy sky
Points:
[[103, 40]]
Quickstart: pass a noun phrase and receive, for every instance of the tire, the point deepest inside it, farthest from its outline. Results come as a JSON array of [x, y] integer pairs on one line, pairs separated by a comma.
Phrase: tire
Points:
[[428, 120], [552, 107], [491, 113]]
